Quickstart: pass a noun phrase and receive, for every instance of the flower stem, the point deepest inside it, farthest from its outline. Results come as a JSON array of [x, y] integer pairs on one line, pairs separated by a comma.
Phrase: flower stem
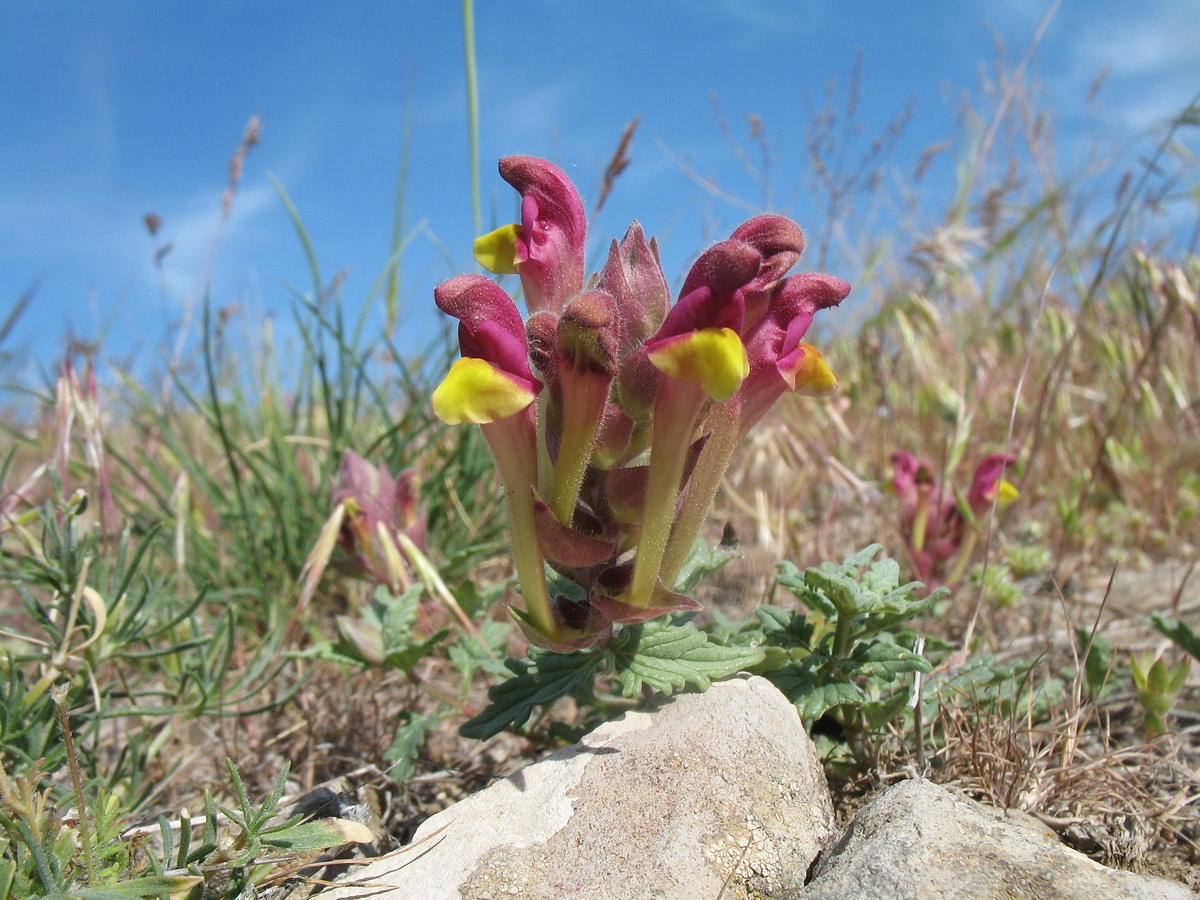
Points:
[[676, 408], [514, 444], [724, 437]]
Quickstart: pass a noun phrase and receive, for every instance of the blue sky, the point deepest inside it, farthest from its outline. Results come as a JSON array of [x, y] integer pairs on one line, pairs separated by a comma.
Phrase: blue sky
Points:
[[114, 109]]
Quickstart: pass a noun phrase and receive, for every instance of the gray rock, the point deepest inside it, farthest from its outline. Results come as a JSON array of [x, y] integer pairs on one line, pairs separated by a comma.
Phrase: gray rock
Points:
[[712, 792], [921, 841]]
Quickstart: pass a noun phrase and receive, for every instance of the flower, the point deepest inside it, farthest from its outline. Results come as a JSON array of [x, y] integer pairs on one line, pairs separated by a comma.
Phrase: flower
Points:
[[546, 248], [612, 414], [940, 530], [377, 508], [492, 380]]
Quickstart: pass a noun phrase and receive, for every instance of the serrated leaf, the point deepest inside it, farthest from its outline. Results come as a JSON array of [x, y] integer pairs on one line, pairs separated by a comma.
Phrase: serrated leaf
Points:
[[469, 655], [814, 700], [399, 613], [407, 743], [882, 576], [774, 658], [404, 658], [885, 660], [701, 562], [793, 579], [542, 680], [879, 712], [785, 627], [669, 657]]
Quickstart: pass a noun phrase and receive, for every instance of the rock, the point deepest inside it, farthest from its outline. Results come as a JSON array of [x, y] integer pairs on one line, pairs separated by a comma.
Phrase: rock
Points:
[[710, 793], [921, 841]]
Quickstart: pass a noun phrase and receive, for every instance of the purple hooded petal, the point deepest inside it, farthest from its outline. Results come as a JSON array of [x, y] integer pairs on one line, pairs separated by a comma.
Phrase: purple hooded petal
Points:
[[773, 340], [712, 293], [987, 476], [550, 247], [904, 478], [778, 239], [791, 307], [490, 327]]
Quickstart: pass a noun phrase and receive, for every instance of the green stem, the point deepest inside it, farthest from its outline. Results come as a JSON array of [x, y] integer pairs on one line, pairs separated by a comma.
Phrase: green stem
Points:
[[59, 694], [920, 520], [514, 444], [963, 557], [676, 408], [468, 9], [841, 634], [724, 437]]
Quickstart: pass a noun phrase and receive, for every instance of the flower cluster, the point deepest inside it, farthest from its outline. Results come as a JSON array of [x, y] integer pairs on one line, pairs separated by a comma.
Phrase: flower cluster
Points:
[[611, 411], [939, 528], [376, 508]]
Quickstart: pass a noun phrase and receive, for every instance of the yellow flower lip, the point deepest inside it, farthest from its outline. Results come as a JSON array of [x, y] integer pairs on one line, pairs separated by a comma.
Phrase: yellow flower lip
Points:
[[496, 251], [714, 358], [812, 376], [1008, 493], [475, 391]]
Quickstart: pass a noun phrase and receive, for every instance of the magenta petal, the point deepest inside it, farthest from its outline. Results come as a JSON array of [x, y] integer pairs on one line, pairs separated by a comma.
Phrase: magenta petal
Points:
[[778, 239], [490, 327], [724, 268], [987, 476], [904, 477], [805, 294], [550, 249], [712, 295]]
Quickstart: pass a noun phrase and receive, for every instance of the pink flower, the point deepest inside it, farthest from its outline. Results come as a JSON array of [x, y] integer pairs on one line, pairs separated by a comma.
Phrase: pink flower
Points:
[[610, 473], [940, 533]]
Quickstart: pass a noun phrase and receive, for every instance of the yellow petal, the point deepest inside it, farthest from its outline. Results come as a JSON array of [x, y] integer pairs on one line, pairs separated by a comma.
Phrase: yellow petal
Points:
[[496, 251], [1007, 492], [715, 358], [476, 391], [813, 376]]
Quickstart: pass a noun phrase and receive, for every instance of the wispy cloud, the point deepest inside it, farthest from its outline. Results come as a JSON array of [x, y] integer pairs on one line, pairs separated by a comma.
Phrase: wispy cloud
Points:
[[1150, 59]]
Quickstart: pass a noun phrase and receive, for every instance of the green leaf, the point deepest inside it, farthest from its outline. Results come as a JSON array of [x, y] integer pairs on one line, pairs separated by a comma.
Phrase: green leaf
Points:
[[1181, 633], [134, 888], [399, 613], [668, 657], [813, 700], [540, 681], [406, 656], [1097, 659], [319, 834], [885, 660], [794, 580], [701, 562], [410, 736], [879, 712], [786, 628], [468, 655]]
